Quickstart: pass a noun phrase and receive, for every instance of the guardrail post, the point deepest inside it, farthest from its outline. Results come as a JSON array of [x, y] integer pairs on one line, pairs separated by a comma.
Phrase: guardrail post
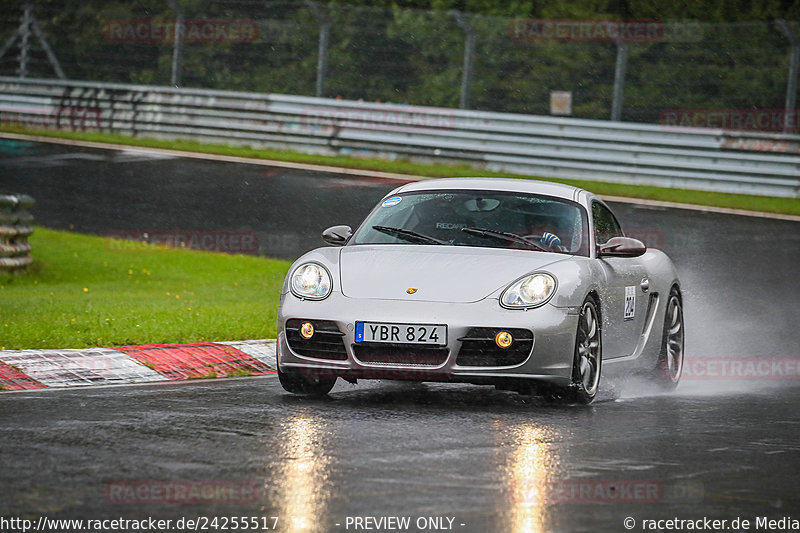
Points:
[[322, 53], [469, 52], [619, 80], [791, 85], [177, 44], [15, 220], [25, 37], [136, 98]]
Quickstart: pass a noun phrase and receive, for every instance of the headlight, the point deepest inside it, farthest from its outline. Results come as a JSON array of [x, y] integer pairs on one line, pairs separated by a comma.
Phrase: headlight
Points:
[[311, 281], [530, 291]]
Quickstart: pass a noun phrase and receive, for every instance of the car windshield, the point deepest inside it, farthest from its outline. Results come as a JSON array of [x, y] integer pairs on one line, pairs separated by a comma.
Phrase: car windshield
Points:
[[478, 218]]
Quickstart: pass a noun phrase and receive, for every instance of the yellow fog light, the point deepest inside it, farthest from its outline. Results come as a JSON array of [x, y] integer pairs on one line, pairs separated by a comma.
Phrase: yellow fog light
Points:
[[307, 330], [503, 339]]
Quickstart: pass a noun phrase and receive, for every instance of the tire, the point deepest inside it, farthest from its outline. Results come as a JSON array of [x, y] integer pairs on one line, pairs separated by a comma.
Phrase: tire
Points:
[[588, 356], [667, 373], [296, 384]]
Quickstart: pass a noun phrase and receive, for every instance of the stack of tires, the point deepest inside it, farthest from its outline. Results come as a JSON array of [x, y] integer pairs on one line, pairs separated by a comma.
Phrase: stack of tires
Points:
[[15, 227]]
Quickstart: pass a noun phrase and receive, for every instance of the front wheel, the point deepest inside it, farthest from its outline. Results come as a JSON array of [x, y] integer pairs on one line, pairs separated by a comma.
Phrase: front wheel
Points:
[[668, 370], [296, 383], [588, 356]]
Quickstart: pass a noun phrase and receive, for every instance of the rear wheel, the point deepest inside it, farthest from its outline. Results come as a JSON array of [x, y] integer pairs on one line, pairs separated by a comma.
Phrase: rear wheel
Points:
[[667, 373], [294, 382], [588, 356]]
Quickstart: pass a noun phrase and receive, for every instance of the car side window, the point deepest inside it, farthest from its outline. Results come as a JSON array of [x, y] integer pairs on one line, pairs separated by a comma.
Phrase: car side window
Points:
[[605, 224]]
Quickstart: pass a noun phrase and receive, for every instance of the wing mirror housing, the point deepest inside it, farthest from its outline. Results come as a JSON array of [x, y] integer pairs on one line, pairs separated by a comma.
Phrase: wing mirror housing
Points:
[[622, 247], [337, 235]]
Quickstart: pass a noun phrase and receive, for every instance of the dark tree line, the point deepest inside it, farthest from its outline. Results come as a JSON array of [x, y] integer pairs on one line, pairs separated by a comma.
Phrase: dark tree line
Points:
[[713, 54]]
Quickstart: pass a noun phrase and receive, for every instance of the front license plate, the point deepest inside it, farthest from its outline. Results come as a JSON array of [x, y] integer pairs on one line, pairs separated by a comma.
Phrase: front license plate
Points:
[[401, 333]]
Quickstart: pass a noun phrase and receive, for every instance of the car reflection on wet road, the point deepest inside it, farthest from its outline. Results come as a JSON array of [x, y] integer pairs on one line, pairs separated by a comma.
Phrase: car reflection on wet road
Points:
[[493, 461]]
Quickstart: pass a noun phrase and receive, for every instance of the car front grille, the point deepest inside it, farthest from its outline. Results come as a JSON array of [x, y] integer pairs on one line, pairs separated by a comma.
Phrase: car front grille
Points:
[[478, 347], [326, 343], [400, 354]]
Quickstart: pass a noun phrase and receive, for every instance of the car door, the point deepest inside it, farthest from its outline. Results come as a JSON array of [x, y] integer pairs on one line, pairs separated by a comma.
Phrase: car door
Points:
[[623, 301]]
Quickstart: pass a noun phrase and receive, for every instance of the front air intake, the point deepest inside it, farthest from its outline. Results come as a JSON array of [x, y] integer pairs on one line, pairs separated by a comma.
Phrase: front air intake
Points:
[[326, 342]]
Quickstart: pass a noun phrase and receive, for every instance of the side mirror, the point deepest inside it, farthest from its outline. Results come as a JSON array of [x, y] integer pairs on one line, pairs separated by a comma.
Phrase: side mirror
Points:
[[337, 235], [622, 247]]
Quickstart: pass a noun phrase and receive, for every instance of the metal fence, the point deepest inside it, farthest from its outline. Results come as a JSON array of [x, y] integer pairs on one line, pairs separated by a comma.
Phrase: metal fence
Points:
[[718, 160], [735, 76]]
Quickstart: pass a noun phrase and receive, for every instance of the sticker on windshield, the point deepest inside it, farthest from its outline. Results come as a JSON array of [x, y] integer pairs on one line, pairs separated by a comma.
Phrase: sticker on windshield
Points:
[[391, 202], [630, 302]]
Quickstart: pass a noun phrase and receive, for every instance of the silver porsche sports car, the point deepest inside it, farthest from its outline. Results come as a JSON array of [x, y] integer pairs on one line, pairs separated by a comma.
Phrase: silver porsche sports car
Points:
[[525, 285]]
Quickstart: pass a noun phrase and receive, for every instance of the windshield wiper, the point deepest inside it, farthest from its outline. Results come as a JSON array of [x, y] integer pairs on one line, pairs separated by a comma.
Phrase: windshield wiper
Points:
[[407, 234], [510, 237]]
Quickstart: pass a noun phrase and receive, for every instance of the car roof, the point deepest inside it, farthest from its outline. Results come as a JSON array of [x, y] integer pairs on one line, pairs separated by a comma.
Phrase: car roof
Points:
[[546, 188]]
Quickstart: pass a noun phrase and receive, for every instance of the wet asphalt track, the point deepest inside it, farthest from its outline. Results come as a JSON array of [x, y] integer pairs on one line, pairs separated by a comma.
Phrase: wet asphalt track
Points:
[[494, 461]]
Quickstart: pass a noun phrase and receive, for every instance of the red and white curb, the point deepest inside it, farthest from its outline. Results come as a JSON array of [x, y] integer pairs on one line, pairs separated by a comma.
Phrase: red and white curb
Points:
[[37, 369]]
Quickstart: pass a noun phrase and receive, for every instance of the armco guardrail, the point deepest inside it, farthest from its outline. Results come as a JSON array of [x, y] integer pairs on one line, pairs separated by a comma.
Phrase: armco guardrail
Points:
[[15, 227], [695, 158]]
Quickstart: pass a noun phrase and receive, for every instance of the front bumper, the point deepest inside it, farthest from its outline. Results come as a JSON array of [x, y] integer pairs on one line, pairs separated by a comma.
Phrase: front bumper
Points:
[[550, 359]]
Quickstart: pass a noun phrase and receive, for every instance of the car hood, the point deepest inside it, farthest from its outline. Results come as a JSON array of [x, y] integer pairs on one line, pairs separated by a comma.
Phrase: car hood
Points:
[[439, 273]]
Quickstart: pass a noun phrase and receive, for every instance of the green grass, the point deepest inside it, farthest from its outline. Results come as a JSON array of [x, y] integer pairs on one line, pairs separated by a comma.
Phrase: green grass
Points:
[[789, 206], [82, 291]]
